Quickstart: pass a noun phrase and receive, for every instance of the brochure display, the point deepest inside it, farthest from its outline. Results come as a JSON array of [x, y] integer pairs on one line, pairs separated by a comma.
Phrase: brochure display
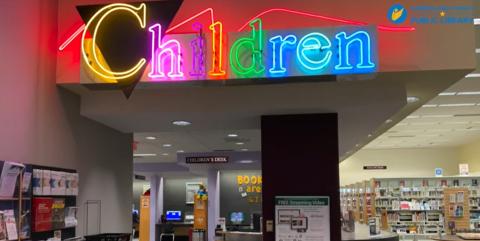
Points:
[[300, 218]]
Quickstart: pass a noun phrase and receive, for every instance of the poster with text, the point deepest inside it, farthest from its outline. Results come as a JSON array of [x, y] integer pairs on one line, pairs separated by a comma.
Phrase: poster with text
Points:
[[302, 218]]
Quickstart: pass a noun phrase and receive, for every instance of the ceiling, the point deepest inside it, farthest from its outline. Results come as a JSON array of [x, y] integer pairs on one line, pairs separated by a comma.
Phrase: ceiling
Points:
[[166, 145]]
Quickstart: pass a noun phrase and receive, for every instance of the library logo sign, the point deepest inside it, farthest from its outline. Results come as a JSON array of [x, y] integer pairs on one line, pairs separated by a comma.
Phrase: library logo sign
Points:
[[430, 14]]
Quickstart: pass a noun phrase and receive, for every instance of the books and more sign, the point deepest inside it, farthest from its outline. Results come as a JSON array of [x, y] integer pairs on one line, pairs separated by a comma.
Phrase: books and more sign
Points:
[[302, 218]]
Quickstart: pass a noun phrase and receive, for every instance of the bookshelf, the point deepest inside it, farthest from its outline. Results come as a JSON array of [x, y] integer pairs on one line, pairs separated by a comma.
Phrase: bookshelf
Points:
[[416, 205], [59, 200]]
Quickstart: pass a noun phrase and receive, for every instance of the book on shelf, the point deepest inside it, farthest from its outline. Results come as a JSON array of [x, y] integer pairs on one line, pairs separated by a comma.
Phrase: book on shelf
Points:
[[58, 213], [10, 224], [8, 178], [42, 214]]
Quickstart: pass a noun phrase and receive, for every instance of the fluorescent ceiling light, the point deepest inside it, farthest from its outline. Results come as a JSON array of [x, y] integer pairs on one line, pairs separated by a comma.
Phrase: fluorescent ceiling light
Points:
[[413, 117], [181, 123], [244, 149], [469, 93], [476, 21], [436, 116], [457, 105], [167, 145], [429, 106], [388, 121], [447, 94], [164, 154], [423, 123], [477, 51], [245, 161], [232, 135], [456, 122], [144, 154], [239, 143], [180, 151], [402, 124], [150, 138], [473, 75]]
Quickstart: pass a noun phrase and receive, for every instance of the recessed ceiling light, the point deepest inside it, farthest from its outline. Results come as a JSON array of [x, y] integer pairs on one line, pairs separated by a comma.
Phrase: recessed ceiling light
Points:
[[412, 99], [181, 123], [144, 154], [388, 121], [429, 106], [239, 143], [232, 135], [180, 151], [369, 135], [245, 161], [150, 138], [447, 93], [164, 154], [469, 93], [167, 145], [244, 149]]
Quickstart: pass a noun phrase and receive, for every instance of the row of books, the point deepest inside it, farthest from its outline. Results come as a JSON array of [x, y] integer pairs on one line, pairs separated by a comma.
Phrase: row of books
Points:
[[55, 183], [51, 213]]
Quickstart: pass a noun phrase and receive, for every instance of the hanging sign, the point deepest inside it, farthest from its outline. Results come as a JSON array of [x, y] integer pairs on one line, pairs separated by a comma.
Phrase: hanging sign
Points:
[[206, 159]]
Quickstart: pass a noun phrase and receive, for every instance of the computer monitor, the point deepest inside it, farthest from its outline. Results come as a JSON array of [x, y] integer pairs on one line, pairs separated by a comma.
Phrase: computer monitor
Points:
[[236, 217], [174, 216]]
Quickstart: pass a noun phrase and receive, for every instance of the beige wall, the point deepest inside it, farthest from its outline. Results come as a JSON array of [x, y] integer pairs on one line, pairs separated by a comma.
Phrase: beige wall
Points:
[[41, 124], [470, 154], [400, 163]]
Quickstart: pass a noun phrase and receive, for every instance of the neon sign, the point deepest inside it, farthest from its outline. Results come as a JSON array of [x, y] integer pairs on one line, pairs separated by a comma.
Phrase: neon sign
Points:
[[257, 53]]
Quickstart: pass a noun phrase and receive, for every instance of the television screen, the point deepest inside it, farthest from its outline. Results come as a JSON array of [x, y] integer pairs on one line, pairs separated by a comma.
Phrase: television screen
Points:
[[174, 216], [236, 217]]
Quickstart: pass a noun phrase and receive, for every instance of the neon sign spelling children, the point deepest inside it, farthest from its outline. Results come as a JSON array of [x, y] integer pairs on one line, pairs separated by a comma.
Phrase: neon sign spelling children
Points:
[[249, 54]]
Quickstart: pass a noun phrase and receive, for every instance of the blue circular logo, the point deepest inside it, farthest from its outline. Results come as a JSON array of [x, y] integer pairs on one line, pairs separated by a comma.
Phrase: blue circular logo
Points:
[[397, 14]]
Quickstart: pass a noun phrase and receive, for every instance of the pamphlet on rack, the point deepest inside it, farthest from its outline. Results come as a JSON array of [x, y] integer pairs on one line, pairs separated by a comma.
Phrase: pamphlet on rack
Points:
[[27, 177], [58, 213], [37, 182], [46, 182], [8, 178], [71, 216], [3, 230], [10, 224], [300, 218]]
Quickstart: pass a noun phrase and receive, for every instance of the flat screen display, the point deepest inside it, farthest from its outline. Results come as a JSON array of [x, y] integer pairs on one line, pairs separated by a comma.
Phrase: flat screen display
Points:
[[236, 217], [174, 216]]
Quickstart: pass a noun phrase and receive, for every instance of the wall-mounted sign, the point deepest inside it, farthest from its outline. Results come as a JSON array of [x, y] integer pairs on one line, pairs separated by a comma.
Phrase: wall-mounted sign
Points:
[[206, 159], [374, 167], [210, 53], [463, 169], [250, 188], [302, 218], [438, 172]]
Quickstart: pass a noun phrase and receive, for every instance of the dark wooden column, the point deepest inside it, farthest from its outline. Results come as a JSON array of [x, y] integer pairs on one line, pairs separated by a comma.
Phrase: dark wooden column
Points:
[[300, 158]]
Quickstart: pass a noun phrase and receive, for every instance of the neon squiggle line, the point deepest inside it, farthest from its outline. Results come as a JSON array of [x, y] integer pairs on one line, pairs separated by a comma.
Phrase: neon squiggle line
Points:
[[339, 20], [72, 37], [191, 18]]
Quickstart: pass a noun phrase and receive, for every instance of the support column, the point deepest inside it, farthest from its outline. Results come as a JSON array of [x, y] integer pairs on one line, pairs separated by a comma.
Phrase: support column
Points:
[[213, 202], [154, 193], [300, 158]]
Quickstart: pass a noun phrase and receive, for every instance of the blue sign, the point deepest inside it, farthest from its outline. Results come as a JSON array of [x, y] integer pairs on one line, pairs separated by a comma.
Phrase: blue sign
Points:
[[397, 14], [438, 172]]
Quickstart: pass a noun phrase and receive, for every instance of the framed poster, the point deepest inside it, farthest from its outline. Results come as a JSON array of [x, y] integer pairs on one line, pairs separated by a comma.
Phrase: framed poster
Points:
[[191, 189], [302, 218]]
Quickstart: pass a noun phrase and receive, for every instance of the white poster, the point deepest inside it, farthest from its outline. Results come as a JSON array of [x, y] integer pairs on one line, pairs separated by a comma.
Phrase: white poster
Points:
[[302, 218], [463, 169]]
